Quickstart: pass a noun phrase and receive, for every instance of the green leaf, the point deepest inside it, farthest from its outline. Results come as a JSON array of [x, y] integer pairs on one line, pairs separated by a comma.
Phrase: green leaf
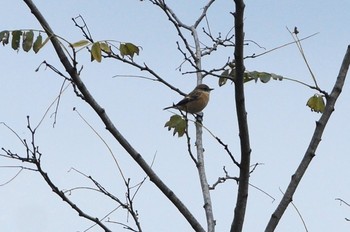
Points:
[[105, 47], [96, 52], [264, 77], [16, 36], [128, 49], [27, 40], [316, 103], [228, 74], [178, 124], [247, 77], [276, 77], [38, 43], [4, 37], [232, 74], [223, 77], [80, 43]]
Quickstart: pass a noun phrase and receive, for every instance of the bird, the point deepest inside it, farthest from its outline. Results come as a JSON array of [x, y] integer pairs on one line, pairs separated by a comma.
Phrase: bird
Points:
[[195, 101]]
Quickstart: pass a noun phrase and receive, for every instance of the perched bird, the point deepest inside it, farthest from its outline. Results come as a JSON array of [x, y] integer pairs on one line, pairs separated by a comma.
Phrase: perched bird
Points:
[[195, 101]]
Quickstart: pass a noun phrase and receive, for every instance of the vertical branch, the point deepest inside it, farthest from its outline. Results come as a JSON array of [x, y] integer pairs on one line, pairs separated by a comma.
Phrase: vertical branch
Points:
[[208, 207], [311, 150], [242, 195], [197, 64], [197, 58]]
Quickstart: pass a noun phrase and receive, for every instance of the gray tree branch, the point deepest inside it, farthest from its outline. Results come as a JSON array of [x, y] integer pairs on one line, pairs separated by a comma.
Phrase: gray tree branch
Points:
[[242, 195], [196, 61], [71, 70], [311, 150]]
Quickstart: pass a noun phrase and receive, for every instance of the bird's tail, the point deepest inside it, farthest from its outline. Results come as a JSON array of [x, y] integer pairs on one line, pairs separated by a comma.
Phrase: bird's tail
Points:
[[169, 107]]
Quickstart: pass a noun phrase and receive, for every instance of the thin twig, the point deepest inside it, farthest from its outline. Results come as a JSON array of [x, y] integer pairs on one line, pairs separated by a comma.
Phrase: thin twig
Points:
[[278, 47], [301, 50], [299, 214], [12, 178], [188, 138], [105, 143], [342, 201], [84, 28], [62, 89]]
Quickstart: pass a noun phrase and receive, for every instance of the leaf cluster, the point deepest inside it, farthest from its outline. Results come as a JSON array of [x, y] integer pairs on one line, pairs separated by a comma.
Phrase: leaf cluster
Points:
[[24, 36], [264, 77], [26, 39], [97, 48], [316, 103]]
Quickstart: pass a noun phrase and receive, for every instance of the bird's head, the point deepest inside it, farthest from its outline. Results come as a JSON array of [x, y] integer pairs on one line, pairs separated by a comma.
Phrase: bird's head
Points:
[[204, 87]]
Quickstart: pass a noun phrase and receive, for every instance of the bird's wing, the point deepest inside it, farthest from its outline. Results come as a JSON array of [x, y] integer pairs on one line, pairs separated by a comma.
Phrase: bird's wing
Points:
[[189, 98]]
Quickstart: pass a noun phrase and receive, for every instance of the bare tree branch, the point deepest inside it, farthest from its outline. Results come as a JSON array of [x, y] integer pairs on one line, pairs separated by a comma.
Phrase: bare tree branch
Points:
[[199, 144], [242, 195], [311, 150], [195, 60], [108, 123], [67, 200], [33, 157], [342, 201], [204, 13]]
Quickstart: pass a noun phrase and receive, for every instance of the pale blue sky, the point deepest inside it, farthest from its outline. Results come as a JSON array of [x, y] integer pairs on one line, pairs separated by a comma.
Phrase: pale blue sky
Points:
[[280, 123]]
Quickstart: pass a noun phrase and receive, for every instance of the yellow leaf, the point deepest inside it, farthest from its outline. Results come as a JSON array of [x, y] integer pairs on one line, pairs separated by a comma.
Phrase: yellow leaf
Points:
[[80, 43], [316, 103], [128, 49], [96, 51], [105, 47]]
